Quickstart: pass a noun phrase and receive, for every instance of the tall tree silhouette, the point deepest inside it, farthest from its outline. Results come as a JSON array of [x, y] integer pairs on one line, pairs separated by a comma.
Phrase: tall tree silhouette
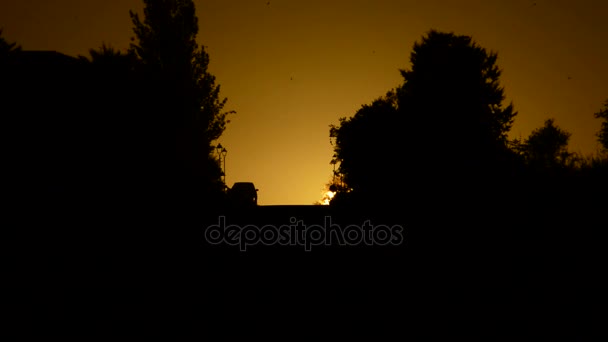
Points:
[[453, 102], [447, 121], [186, 96], [602, 135]]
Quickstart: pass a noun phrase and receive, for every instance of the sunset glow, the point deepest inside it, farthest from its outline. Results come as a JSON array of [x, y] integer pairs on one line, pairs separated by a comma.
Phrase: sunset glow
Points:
[[327, 197], [291, 68]]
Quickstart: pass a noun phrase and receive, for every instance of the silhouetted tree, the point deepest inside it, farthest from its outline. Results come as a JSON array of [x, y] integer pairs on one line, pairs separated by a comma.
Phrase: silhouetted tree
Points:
[[595, 168], [111, 58], [8, 52], [186, 97], [547, 147], [7, 48], [602, 135], [445, 123], [120, 139], [362, 146], [453, 102]]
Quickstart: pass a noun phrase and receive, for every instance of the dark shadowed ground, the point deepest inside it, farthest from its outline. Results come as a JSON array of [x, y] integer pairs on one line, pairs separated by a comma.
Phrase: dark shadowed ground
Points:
[[136, 274]]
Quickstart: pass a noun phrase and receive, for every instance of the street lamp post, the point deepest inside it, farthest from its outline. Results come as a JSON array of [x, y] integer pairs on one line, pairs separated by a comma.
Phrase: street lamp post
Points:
[[224, 152], [221, 153]]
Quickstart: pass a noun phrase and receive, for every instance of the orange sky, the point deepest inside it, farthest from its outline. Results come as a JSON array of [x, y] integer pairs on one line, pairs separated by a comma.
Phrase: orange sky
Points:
[[342, 54]]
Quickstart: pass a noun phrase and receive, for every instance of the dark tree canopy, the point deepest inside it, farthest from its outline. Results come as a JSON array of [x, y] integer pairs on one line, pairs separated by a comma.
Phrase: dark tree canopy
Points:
[[547, 146], [602, 135], [7, 48], [166, 42], [362, 145], [453, 100], [121, 136], [185, 96], [446, 120], [112, 59]]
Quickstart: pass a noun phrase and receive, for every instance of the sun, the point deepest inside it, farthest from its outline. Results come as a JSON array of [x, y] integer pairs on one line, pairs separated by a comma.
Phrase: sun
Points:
[[327, 197]]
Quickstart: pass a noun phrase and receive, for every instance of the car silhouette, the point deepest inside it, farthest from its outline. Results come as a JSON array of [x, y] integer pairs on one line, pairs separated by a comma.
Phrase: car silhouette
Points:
[[243, 194]]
